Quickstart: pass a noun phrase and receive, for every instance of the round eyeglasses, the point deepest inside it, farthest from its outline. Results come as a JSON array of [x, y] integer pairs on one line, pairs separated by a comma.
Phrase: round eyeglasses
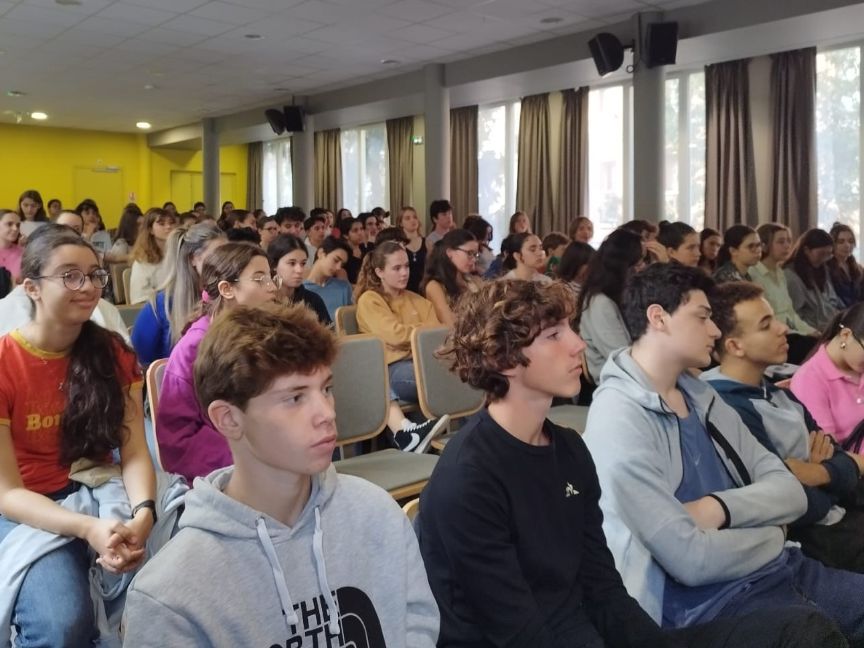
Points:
[[265, 282], [470, 254], [74, 279]]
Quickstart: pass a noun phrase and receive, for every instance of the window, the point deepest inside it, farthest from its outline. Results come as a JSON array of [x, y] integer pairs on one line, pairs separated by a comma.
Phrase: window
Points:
[[277, 176], [685, 149], [365, 182], [609, 158], [497, 158], [838, 132]]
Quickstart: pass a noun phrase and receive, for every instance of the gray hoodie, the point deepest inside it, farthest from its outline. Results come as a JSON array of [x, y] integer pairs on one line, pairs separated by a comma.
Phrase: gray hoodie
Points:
[[635, 441], [234, 577]]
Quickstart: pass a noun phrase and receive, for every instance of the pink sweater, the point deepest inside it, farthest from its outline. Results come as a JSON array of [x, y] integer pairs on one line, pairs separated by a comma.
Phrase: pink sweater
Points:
[[835, 399], [10, 258]]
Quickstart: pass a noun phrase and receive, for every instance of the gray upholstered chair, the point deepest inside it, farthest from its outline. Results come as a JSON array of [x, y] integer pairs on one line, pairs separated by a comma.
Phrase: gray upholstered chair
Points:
[[346, 321], [361, 393]]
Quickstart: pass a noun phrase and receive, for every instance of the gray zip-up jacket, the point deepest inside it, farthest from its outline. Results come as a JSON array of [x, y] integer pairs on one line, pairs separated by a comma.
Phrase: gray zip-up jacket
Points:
[[634, 438]]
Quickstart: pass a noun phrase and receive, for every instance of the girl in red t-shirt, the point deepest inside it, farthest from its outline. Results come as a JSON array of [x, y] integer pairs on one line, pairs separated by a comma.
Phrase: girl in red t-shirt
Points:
[[69, 390]]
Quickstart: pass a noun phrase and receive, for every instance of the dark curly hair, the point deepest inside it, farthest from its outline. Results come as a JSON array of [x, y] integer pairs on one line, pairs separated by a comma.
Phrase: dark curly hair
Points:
[[723, 302], [494, 325]]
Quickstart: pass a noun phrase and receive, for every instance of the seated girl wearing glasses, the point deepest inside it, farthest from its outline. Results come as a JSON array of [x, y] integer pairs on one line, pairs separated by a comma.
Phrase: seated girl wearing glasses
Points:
[[450, 272], [741, 250], [330, 258], [235, 274], [70, 390]]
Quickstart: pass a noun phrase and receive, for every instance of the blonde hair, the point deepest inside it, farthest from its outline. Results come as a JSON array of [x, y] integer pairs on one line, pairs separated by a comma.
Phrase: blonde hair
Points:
[[401, 215]]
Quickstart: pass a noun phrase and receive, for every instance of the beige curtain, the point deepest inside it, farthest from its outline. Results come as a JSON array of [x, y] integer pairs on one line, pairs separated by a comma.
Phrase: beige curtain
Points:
[[464, 194], [730, 183], [254, 175], [533, 182], [400, 160], [573, 186], [793, 110], [328, 170]]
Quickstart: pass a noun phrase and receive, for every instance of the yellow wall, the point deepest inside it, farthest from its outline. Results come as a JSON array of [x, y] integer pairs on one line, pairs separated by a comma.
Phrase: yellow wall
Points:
[[111, 168]]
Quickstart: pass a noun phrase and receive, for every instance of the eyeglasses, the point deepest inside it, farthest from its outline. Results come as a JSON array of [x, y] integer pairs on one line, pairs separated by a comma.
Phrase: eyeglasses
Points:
[[74, 279], [754, 246], [470, 253], [266, 282]]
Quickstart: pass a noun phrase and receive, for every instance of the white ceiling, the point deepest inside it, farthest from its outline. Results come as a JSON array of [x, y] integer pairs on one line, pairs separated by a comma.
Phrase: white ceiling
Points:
[[87, 65]]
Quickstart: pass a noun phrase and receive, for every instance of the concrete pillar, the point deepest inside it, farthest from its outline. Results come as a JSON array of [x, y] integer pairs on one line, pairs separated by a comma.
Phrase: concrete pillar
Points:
[[648, 130], [210, 151], [303, 163], [437, 119]]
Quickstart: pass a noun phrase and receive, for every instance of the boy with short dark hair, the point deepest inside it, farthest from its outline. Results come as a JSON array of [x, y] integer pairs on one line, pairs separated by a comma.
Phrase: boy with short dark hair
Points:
[[441, 215], [752, 339], [695, 507], [290, 221], [280, 550]]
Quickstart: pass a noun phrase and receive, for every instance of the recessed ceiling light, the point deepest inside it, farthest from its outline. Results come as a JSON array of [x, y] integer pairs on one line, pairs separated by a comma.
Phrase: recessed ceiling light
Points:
[[389, 62], [15, 93], [551, 20], [253, 36], [39, 116], [143, 125], [149, 86]]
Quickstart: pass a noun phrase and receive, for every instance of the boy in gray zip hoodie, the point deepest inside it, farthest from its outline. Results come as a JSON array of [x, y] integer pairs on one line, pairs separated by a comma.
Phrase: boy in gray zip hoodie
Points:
[[279, 550], [695, 508]]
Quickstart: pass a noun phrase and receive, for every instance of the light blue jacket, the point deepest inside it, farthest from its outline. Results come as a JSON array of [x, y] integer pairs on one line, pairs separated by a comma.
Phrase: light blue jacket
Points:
[[635, 441]]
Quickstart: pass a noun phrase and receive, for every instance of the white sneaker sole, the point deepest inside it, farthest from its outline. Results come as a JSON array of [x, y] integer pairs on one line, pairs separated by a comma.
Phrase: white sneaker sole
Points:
[[436, 431]]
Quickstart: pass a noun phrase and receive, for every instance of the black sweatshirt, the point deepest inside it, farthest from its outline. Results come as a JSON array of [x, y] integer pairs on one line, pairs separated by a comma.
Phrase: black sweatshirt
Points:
[[514, 549]]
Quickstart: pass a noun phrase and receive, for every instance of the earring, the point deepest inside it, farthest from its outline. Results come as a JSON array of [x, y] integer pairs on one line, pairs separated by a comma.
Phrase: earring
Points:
[[842, 345]]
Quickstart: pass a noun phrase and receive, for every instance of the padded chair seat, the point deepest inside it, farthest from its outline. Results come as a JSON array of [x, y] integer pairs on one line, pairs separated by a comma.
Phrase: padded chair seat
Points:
[[570, 416], [400, 473]]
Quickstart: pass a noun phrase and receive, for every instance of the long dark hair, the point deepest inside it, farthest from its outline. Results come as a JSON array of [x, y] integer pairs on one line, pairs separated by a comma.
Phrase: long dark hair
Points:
[[733, 238], [93, 418], [851, 318], [128, 227], [576, 256], [282, 245], [813, 278], [440, 268], [704, 261], [35, 196], [672, 235], [516, 241], [609, 268], [853, 270]]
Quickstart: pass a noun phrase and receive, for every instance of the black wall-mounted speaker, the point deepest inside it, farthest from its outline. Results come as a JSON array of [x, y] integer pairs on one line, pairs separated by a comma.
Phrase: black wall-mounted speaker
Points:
[[289, 119], [276, 120], [661, 44], [607, 52]]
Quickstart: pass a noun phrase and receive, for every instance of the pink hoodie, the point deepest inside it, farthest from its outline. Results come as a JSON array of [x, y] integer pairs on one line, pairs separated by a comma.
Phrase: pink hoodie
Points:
[[188, 443]]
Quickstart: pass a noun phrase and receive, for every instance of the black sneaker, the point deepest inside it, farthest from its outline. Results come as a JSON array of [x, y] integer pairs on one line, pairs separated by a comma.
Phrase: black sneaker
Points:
[[417, 436]]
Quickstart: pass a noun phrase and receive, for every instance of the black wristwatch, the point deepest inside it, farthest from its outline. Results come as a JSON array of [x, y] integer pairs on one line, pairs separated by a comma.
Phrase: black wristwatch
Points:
[[148, 504]]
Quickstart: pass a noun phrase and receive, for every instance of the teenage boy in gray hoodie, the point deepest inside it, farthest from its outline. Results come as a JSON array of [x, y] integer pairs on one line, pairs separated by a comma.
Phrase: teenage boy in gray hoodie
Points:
[[510, 524], [695, 507], [279, 550]]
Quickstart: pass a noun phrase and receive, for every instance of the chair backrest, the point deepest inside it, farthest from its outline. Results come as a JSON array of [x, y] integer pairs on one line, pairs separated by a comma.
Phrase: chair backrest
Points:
[[155, 374], [346, 321], [439, 391], [120, 294], [130, 313], [412, 508], [360, 388], [127, 278]]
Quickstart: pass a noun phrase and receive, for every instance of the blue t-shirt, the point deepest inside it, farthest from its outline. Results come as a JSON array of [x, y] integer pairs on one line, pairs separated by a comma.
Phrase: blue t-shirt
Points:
[[151, 334], [335, 293], [704, 473]]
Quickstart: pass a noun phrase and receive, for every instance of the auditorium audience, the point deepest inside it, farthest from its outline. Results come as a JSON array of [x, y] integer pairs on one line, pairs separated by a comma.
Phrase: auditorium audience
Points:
[[582, 229], [573, 268], [386, 309], [441, 215], [710, 242], [290, 221], [54, 208], [268, 230], [127, 233], [482, 231], [845, 273], [31, 212], [554, 244], [316, 232], [450, 272], [809, 281], [526, 260], [323, 279], [233, 274], [148, 253], [695, 508], [10, 251], [409, 222], [681, 242], [352, 232], [519, 223]]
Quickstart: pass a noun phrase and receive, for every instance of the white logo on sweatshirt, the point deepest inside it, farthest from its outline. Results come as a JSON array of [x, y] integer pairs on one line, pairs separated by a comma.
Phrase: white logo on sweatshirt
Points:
[[570, 491]]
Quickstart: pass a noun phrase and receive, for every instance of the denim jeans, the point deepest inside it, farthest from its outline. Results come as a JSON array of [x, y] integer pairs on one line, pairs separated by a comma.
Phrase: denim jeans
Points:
[[402, 383], [836, 593], [54, 606]]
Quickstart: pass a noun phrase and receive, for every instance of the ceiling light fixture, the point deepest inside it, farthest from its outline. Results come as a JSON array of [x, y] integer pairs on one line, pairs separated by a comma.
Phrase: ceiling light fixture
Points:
[[69, 3], [551, 20], [39, 115], [15, 93], [149, 86], [143, 125], [253, 36], [389, 62]]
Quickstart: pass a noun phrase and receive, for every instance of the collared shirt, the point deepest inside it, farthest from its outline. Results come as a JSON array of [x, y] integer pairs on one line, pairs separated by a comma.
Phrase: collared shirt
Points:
[[835, 399], [773, 282]]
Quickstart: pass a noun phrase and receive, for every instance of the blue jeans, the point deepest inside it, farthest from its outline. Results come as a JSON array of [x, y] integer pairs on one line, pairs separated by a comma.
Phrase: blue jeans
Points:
[[402, 383], [836, 593], [54, 606]]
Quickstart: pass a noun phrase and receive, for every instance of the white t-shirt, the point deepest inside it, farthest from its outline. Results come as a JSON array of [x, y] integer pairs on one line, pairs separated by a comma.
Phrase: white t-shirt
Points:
[[143, 281]]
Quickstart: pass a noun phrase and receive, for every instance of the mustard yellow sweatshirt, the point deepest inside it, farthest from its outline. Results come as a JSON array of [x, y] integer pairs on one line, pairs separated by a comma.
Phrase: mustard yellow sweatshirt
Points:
[[393, 320]]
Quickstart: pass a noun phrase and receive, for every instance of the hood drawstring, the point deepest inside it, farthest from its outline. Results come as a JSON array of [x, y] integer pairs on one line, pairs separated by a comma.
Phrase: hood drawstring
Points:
[[278, 575], [321, 571]]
